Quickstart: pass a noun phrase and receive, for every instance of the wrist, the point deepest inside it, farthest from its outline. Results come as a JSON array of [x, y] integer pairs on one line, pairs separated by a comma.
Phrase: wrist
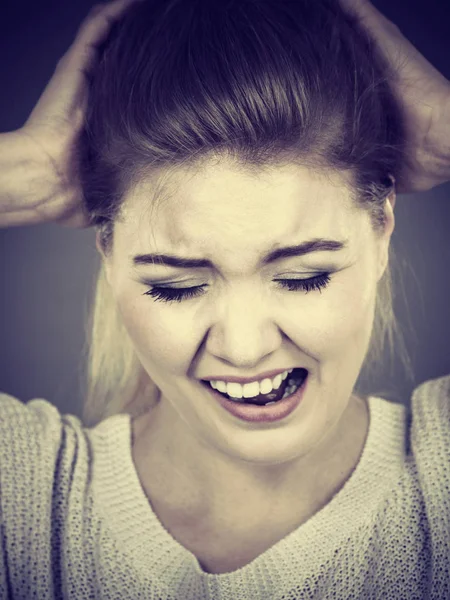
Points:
[[438, 139], [23, 181]]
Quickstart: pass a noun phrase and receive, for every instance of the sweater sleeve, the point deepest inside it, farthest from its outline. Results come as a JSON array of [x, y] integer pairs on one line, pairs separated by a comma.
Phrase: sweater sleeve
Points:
[[31, 436], [430, 435], [431, 428]]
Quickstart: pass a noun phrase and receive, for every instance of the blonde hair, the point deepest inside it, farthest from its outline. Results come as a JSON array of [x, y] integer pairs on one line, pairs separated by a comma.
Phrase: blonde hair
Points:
[[116, 382]]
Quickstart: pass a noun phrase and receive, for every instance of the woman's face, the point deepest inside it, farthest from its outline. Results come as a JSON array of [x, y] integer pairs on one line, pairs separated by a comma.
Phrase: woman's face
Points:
[[245, 323]]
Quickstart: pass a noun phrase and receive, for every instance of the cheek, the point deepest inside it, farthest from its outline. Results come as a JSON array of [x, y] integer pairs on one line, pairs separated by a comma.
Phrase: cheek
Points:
[[345, 319], [158, 341]]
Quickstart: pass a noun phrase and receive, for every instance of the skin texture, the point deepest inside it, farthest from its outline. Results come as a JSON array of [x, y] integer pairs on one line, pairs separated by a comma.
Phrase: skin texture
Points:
[[202, 469]]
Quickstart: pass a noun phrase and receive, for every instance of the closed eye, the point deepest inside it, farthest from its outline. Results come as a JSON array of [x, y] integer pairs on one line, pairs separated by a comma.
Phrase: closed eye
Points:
[[171, 294]]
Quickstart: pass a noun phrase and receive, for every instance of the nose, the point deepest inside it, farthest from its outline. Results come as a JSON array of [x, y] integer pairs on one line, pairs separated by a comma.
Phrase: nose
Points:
[[244, 335]]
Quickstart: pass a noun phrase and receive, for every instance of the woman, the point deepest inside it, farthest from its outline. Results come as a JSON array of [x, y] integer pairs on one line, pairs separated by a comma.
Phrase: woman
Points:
[[233, 319]]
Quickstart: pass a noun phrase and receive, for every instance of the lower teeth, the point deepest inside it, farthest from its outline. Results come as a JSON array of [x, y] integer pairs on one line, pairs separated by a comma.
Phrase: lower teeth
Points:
[[290, 390]]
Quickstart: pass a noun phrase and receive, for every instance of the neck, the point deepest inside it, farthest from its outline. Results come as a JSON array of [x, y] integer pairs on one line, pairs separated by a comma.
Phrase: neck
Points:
[[237, 493]]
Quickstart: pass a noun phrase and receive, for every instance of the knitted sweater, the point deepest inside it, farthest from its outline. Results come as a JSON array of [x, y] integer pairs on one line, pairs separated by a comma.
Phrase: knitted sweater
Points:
[[76, 523]]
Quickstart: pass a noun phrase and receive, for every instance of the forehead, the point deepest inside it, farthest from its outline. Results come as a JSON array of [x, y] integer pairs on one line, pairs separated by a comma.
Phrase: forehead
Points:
[[224, 204]]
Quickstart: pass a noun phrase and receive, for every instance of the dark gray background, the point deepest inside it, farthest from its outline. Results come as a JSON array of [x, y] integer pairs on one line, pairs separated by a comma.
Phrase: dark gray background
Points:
[[47, 272]]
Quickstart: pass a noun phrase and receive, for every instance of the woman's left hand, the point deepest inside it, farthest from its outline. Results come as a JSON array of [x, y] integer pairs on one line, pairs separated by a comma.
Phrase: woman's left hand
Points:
[[424, 95]]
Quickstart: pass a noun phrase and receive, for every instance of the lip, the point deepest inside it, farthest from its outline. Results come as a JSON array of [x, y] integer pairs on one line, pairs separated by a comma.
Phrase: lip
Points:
[[262, 414], [242, 380]]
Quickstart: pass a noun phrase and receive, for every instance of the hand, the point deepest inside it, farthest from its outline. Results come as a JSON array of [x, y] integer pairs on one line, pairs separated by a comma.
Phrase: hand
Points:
[[423, 94], [47, 142]]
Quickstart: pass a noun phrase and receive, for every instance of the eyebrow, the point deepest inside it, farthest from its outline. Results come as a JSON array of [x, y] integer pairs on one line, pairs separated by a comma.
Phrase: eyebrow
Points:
[[180, 262]]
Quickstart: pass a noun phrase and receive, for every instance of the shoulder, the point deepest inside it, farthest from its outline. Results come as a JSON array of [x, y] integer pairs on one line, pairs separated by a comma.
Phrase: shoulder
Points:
[[33, 436], [430, 404], [429, 431], [20, 422]]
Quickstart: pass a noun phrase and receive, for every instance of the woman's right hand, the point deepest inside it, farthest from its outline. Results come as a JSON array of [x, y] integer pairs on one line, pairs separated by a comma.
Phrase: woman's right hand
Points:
[[39, 162]]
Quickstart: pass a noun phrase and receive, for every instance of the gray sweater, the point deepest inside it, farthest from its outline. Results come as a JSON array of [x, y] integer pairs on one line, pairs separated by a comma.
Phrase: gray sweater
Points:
[[76, 523]]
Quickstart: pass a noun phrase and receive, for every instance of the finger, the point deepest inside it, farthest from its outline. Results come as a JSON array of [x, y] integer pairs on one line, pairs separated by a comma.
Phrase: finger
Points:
[[81, 57], [66, 89], [363, 9], [404, 60], [93, 32], [380, 26]]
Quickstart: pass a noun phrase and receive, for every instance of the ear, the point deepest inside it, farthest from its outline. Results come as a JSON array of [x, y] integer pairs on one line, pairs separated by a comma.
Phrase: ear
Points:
[[98, 245], [392, 198], [105, 259], [393, 195], [389, 210], [385, 240]]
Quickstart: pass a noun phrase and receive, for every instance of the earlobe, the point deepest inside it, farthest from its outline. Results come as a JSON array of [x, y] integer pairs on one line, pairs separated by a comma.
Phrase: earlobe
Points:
[[392, 198], [393, 195], [98, 244], [104, 258], [386, 238], [389, 212]]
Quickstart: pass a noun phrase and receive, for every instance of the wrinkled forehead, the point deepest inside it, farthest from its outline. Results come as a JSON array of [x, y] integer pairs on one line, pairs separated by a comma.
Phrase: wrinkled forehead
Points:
[[233, 218], [225, 190], [227, 212]]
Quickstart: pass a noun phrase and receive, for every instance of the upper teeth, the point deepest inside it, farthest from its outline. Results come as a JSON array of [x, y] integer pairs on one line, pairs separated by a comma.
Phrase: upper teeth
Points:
[[250, 390]]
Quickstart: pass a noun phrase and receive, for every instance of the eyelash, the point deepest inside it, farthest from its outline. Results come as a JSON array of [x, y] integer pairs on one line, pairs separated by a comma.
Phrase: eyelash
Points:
[[168, 294]]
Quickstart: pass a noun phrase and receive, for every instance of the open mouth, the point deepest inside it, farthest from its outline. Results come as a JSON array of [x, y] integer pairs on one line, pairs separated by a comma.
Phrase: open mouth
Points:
[[288, 387]]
